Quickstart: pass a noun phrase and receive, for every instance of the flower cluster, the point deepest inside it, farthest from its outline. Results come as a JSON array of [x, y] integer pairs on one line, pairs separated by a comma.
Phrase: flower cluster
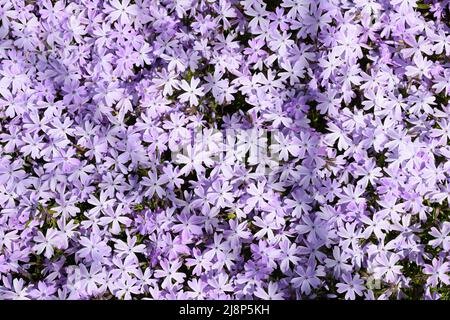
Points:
[[224, 149]]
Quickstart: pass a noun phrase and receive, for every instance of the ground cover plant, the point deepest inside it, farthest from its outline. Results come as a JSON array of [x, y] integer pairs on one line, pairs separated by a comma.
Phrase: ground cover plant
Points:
[[224, 149]]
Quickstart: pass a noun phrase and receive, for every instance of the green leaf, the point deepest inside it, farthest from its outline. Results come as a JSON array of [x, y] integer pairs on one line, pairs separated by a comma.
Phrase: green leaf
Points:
[[231, 216], [423, 6]]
